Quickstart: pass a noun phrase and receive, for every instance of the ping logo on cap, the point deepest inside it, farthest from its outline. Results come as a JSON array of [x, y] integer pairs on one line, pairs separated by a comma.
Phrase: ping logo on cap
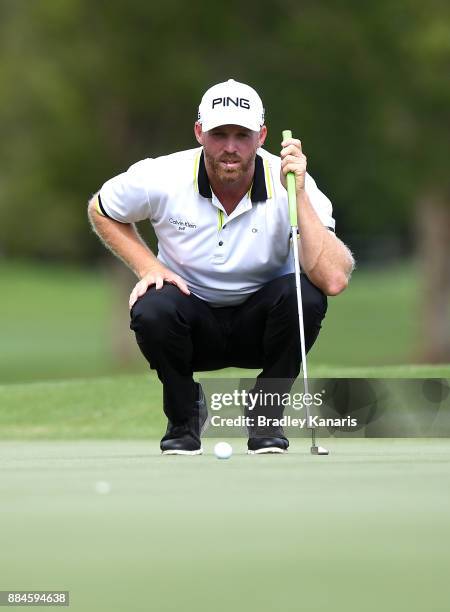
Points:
[[227, 101]]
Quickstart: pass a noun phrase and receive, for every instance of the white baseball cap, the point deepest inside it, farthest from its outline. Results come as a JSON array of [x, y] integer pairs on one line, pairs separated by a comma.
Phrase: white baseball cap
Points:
[[231, 103]]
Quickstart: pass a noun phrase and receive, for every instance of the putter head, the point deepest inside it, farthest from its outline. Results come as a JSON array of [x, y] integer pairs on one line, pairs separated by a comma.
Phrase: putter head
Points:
[[319, 450]]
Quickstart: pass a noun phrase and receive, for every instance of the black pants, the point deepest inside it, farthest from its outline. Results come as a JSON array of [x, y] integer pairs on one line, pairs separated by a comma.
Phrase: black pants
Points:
[[179, 334]]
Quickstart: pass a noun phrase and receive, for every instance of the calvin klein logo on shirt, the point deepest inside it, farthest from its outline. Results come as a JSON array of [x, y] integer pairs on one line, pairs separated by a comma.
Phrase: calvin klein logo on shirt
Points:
[[182, 225]]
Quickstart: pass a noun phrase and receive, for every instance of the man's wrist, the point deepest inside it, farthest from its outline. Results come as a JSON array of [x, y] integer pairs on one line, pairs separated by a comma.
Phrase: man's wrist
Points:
[[148, 269]]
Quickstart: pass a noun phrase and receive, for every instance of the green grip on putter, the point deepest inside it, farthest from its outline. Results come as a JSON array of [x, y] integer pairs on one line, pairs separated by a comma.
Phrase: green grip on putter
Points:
[[290, 183]]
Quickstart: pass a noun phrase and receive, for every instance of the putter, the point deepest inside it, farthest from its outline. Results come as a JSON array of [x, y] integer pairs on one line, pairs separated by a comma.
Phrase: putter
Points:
[[292, 199]]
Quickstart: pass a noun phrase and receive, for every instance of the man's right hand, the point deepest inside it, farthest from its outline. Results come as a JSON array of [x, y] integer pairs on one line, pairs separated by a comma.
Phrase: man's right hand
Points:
[[156, 276]]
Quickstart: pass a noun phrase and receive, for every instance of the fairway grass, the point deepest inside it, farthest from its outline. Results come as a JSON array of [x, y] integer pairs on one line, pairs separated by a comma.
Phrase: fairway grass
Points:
[[364, 529], [127, 407]]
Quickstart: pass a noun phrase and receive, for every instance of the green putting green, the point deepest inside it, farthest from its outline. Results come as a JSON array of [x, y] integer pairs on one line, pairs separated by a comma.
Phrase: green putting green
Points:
[[365, 528]]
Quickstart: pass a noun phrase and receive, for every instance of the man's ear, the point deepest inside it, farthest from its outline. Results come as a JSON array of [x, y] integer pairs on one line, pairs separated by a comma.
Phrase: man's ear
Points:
[[262, 135], [198, 132]]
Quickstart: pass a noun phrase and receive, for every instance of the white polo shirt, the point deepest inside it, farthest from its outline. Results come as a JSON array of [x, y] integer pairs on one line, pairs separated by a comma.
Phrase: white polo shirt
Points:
[[223, 258]]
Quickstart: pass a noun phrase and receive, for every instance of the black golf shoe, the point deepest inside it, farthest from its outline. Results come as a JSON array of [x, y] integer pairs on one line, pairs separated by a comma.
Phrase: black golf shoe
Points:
[[261, 446], [266, 439], [184, 439]]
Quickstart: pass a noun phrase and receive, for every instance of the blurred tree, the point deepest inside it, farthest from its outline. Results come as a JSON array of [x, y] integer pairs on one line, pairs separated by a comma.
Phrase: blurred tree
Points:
[[426, 48], [415, 121]]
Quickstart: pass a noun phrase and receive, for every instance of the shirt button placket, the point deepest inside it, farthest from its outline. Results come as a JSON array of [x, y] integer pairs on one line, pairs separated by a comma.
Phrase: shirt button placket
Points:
[[220, 251]]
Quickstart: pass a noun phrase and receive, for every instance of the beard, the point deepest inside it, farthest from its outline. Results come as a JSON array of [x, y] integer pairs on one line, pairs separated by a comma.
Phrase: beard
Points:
[[231, 174]]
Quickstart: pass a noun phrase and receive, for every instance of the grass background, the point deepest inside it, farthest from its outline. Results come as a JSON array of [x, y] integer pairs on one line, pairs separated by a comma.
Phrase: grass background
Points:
[[129, 406], [57, 322], [60, 378]]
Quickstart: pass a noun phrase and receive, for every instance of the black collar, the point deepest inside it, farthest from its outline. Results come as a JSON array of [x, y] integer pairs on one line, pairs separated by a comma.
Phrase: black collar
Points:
[[258, 191]]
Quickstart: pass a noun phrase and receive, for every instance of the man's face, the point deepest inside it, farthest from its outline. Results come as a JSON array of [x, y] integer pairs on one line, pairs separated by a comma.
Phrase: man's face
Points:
[[230, 150]]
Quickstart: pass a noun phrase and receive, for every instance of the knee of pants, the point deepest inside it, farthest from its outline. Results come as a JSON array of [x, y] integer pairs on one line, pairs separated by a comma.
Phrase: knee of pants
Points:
[[314, 302], [154, 314]]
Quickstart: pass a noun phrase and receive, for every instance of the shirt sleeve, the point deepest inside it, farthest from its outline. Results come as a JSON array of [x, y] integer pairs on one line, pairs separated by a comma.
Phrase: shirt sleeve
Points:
[[320, 203], [124, 198]]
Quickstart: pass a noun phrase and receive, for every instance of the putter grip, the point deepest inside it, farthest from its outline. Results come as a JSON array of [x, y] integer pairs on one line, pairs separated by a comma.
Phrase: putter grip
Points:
[[290, 183]]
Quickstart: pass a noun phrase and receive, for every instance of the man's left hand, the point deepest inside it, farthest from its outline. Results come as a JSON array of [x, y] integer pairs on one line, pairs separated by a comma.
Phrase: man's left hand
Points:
[[293, 160]]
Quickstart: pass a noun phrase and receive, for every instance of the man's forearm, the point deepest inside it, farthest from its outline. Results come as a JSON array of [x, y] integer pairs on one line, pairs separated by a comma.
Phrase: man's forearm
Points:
[[325, 259], [123, 240]]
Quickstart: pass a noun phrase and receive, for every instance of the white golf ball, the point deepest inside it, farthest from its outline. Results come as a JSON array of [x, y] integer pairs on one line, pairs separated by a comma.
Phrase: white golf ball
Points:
[[223, 450], [102, 487]]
